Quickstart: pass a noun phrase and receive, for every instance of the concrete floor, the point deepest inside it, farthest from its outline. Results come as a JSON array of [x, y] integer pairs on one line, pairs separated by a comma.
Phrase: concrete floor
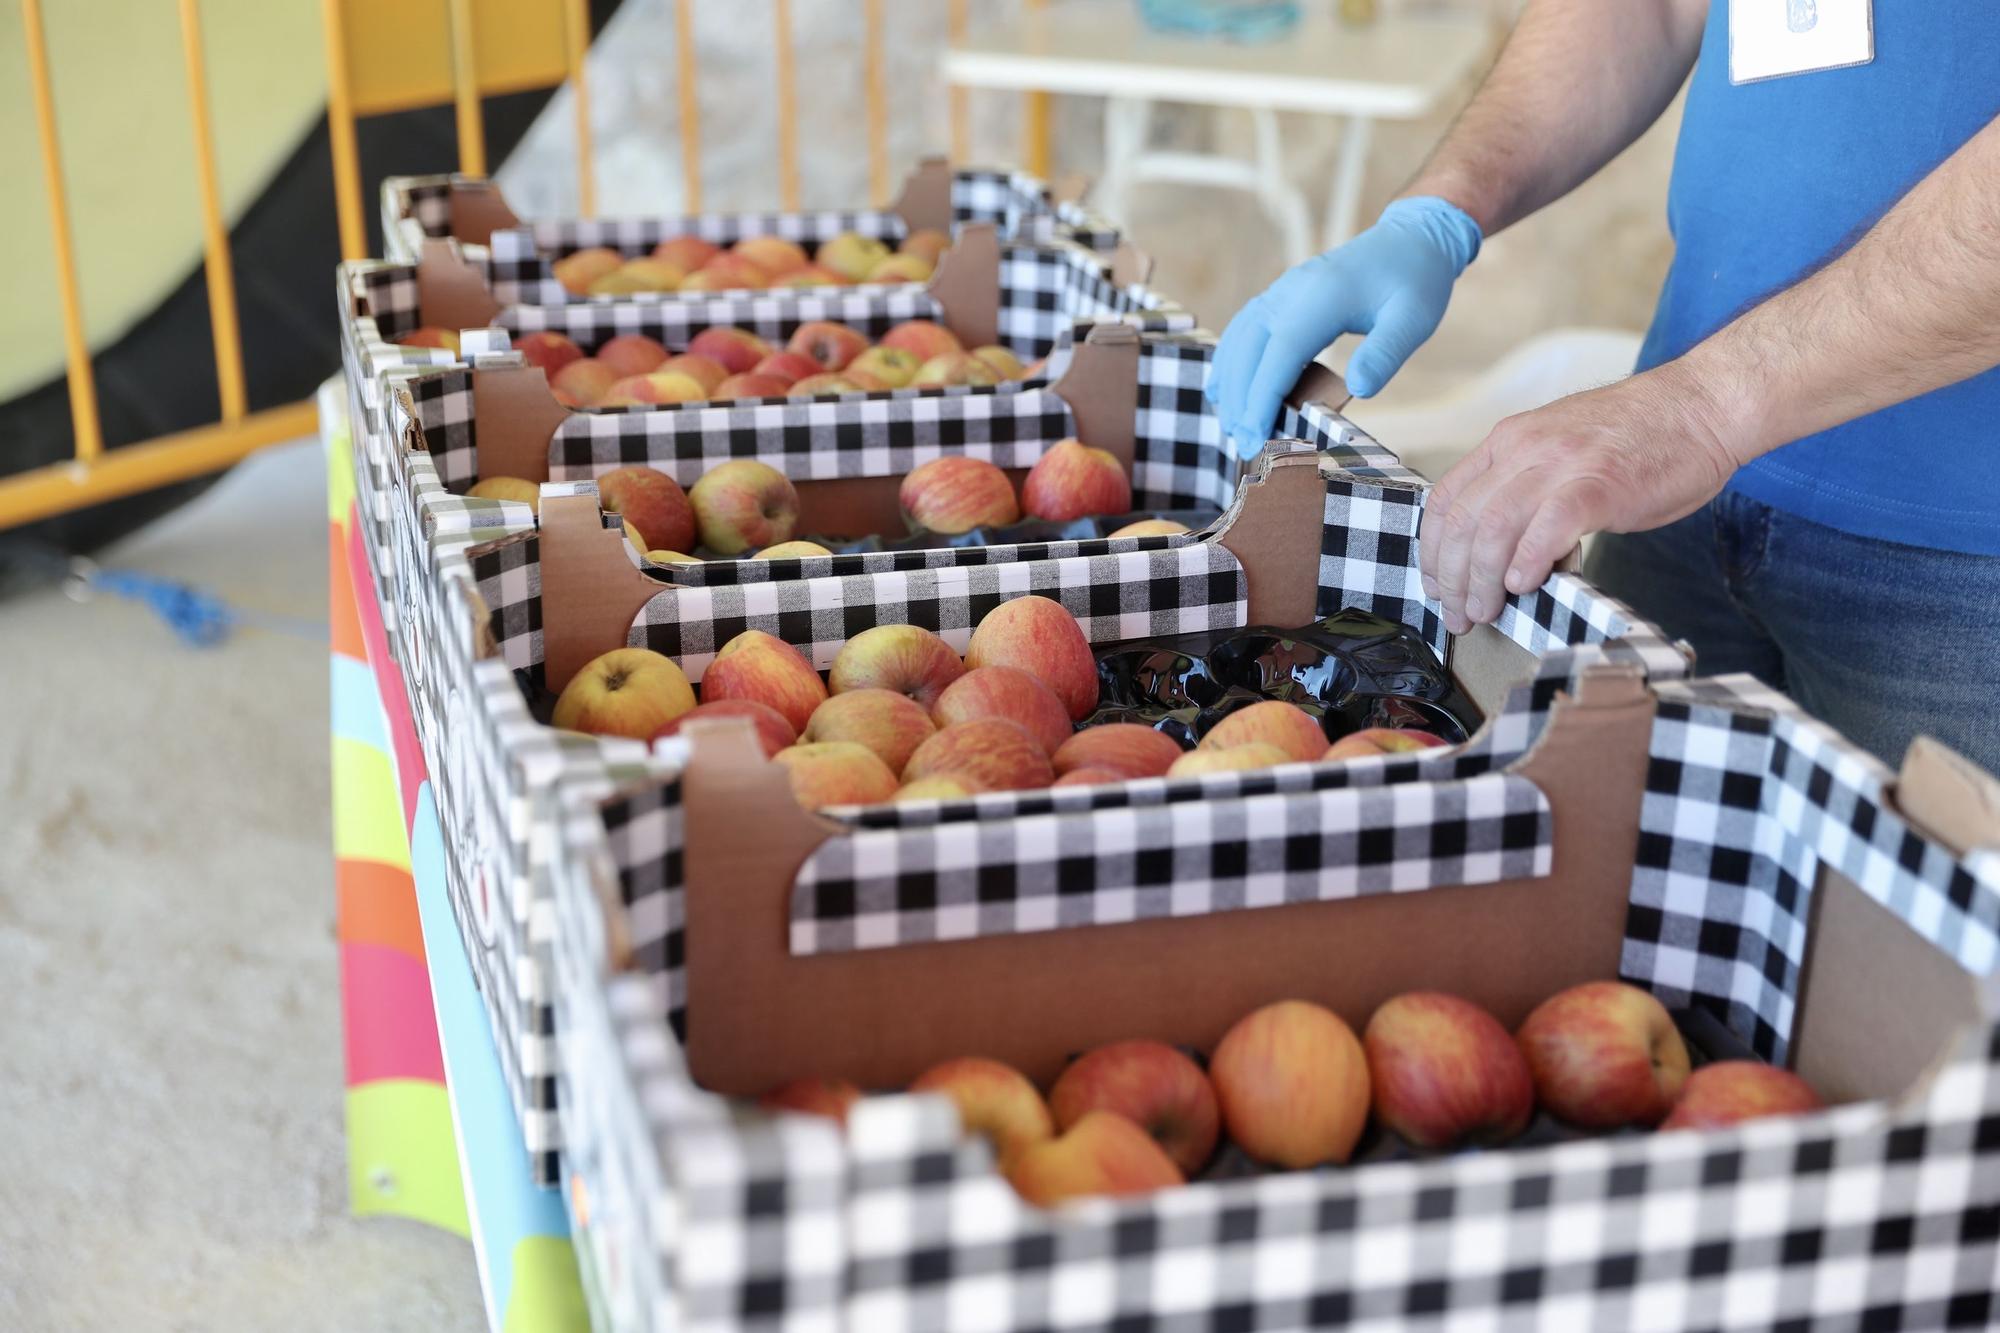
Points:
[[171, 1146]]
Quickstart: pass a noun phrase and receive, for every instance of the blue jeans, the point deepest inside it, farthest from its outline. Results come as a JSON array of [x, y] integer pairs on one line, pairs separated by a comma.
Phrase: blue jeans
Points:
[[1880, 640]]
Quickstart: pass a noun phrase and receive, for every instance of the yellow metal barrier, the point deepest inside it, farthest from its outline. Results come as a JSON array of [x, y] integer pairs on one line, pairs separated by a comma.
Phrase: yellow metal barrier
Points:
[[383, 56]]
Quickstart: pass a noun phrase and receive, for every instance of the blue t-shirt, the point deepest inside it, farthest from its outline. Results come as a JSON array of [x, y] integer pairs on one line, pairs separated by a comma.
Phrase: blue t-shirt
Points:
[[1774, 179]]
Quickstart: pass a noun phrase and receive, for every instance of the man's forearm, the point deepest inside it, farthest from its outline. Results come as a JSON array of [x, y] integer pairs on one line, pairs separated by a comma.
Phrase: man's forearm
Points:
[[1578, 81], [1913, 306]]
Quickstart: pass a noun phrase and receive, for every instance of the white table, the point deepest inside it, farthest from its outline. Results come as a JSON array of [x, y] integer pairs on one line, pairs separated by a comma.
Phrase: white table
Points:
[[1397, 68]]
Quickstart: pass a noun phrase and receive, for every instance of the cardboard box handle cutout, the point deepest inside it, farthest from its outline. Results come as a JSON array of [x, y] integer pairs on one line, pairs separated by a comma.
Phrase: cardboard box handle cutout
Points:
[[478, 209], [757, 1015], [924, 202]]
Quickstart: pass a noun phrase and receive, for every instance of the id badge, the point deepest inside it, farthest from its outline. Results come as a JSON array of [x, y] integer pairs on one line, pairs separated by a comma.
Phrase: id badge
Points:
[[1769, 39]]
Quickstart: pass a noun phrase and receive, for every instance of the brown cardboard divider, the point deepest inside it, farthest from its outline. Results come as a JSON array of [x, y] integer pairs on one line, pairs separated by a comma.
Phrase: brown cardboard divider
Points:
[[1273, 529], [591, 590], [758, 1016], [1322, 385], [514, 417], [478, 209], [967, 285], [1101, 386], [924, 202], [451, 293]]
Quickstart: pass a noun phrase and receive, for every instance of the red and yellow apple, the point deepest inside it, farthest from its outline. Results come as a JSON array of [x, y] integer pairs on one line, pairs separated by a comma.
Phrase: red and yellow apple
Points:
[[1089, 777], [824, 773], [957, 494], [987, 755], [727, 273], [1000, 360], [1234, 759], [586, 381], [1073, 480], [793, 550], [1445, 1073], [760, 666], [827, 342], [1011, 695], [1127, 749], [892, 725], [631, 354], [829, 1097], [993, 1099], [651, 390], [743, 504], [1151, 527], [1102, 1154], [1151, 1084], [1604, 1055], [932, 789], [703, 370], [891, 365], [1292, 1081], [812, 275], [1732, 1091], [688, 252], [922, 338], [950, 368], [578, 270], [851, 255], [750, 385], [787, 366], [735, 350], [825, 382], [927, 242], [625, 692], [774, 733], [1382, 740], [635, 276], [650, 501], [1042, 638], [550, 351], [516, 489], [1274, 722], [774, 254], [901, 268], [447, 339], [903, 658]]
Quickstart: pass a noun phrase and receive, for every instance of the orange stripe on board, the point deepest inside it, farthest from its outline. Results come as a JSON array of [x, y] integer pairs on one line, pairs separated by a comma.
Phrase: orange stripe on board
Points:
[[343, 616], [377, 904]]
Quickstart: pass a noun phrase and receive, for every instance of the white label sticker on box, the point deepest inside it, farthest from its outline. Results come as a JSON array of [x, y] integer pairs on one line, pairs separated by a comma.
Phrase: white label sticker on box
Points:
[[1772, 38]]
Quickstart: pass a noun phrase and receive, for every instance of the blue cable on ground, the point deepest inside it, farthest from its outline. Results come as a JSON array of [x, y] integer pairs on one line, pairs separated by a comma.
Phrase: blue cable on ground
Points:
[[198, 618]]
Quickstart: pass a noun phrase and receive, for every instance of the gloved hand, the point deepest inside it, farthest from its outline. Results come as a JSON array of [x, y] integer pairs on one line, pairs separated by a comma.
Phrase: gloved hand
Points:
[[1391, 282]]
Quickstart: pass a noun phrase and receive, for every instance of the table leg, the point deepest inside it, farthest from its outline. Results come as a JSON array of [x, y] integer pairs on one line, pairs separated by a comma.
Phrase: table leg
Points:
[[1127, 121], [1281, 199], [1349, 173]]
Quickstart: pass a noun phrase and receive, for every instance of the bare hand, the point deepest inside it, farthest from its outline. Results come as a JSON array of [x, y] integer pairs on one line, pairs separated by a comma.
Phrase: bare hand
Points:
[[1626, 458]]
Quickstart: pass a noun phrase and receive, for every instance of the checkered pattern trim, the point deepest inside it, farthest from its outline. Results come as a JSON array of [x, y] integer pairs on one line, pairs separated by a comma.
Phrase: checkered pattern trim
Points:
[[879, 888], [1180, 590], [715, 573], [1865, 1215], [414, 208]]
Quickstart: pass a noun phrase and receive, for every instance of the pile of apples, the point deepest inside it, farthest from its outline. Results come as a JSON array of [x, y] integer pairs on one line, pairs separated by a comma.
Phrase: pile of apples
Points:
[[690, 264], [900, 716], [721, 365], [1293, 1087], [744, 505]]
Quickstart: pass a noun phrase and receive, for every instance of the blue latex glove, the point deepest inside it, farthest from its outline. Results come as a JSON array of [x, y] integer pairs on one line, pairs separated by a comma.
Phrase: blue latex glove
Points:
[[1391, 282]]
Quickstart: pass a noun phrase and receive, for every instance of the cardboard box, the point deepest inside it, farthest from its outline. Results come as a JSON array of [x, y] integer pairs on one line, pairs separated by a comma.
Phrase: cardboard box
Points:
[[1702, 839], [472, 211]]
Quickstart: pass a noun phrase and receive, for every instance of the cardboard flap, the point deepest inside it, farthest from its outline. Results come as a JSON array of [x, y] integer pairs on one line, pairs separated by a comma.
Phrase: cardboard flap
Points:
[[1948, 796], [591, 590], [1071, 187], [1131, 266], [1320, 384], [967, 286], [478, 210], [1101, 387], [924, 202], [514, 420], [1273, 530], [451, 293]]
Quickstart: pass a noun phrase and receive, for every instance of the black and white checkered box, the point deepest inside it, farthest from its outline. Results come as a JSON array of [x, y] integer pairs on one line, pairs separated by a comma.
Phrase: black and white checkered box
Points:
[[419, 208], [694, 1212]]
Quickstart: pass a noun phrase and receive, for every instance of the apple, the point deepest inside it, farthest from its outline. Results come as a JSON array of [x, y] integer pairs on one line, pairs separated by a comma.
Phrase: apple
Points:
[[1151, 527], [633, 539], [851, 255], [890, 724], [1089, 777], [743, 504], [1073, 480], [735, 350], [951, 368], [787, 366], [1042, 638], [759, 666], [774, 254], [1000, 360], [812, 386], [631, 354], [508, 488], [791, 551], [957, 494], [550, 351], [1274, 722], [993, 1099], [932, 789], [689, 253], [1292, 1081], [1101, 1155], [430, 337], [862, 380], [1604, 1055], [926, 242], [671, 558], [1445, 1073], [625, 692], [1011, 695], [727, 273], [774, 733], [1382, 740], [1235, 759], [1127, 749], [891, 365], [650, 501], [812, 275], [827, 342], [1731, 1091], [578, 270], [904, 658], [652, 390], [585, 381], [901, 268], [1151, 1084], [829, 1097], [827, 773], [637, 275], [750, 386], [922, 338], [703, 370], [990, 754]]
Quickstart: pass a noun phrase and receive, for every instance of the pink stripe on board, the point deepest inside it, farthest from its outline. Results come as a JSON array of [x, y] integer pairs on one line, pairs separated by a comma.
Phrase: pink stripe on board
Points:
[[391, 1032], [388, 676]]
